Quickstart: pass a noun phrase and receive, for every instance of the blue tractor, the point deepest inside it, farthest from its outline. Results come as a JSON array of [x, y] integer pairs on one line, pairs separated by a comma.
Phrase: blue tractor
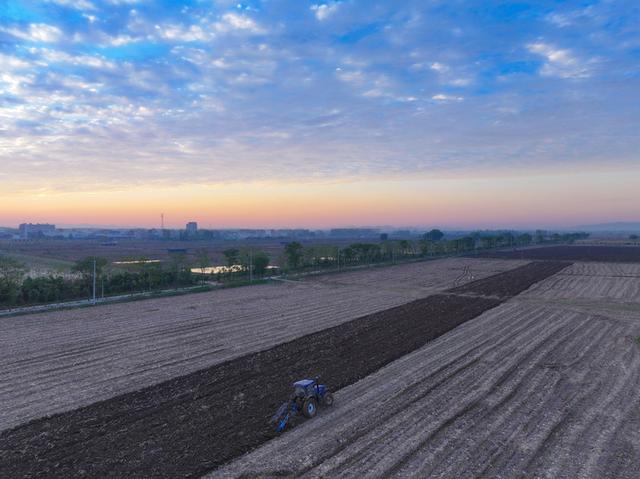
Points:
[[307, 395]]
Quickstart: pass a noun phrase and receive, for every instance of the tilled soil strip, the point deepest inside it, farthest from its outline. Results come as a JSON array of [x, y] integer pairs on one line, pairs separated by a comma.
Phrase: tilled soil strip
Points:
[[607, 254], [512, 282], [190, 425]]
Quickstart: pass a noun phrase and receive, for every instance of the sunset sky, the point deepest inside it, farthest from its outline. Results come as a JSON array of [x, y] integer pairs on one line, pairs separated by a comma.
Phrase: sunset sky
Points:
[[288, 113]]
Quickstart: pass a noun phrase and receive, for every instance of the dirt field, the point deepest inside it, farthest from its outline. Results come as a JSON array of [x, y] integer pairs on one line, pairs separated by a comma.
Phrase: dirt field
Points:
[[546, 385], [612, 254], [593, 281], [539, 387], [58, 361], [186, 426]]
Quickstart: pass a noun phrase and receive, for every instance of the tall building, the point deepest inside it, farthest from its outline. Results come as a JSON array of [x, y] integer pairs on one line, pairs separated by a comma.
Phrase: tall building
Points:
[[192, 228]]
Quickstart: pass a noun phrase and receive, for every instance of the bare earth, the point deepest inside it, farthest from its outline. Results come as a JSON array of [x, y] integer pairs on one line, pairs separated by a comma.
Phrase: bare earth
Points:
[[58, 361], [546, 385]]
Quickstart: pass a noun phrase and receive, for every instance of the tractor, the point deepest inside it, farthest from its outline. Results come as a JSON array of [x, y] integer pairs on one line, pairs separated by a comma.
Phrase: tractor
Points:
[[307, 395]]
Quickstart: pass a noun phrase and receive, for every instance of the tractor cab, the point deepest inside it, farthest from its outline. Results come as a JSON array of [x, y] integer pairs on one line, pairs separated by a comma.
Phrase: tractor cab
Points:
[[304, 389]]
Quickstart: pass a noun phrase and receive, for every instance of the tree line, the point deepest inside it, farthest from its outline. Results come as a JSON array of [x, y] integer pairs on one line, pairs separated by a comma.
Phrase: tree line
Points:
[[17, 288], [432, 244], [133, 275]]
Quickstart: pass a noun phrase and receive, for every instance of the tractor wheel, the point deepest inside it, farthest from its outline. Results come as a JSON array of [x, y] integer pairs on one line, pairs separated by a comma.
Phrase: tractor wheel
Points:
[[309, 408], [327, 400]]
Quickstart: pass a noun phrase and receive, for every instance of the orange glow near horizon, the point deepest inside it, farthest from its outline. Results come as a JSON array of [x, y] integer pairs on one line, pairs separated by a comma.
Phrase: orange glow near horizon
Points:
[[561, 200]]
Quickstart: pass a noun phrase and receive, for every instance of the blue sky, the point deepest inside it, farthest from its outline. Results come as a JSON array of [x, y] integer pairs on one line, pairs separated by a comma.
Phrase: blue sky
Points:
[[107, 94]]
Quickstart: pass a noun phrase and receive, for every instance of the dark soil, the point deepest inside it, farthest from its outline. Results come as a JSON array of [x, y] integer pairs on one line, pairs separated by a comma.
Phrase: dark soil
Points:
[[190, 425], [610, 254], [512, 282]]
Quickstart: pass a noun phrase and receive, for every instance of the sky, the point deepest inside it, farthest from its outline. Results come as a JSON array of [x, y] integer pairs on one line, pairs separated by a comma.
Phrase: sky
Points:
[[292, 113]]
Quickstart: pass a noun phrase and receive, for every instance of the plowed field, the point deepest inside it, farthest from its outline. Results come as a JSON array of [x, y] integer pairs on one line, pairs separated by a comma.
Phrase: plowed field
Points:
[[186, 426], [63, 360], [546, 385], [610, 254]]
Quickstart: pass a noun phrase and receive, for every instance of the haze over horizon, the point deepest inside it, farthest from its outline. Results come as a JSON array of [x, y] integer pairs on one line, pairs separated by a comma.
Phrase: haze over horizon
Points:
[[319, 114]]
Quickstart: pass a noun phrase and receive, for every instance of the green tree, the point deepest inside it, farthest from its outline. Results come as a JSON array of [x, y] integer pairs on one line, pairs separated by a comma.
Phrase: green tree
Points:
[[406, 247], [179, 265], [11, 274], [203, 262], [524, 239], [232, 256], [85, 266], [434, 235], [260, 262], [294, 253]]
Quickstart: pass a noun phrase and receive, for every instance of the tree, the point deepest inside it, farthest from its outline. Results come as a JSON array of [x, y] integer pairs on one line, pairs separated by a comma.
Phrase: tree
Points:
[[85, 266], [232, 256], [434, 235], [260, 263], [203, 261], [633, 237], [11, 274], [178, 264], [406, 247], [294, 252], [86, 269], [524, 239], [425, 247]]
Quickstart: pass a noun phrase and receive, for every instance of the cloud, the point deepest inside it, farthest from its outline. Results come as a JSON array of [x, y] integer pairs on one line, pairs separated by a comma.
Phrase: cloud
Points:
[[11, 63], [439, 67], [441, 97], [54, 56], [461, 82], [77, 4], [36, 32], [561, 63], [181, 33], [235, 22], [325, 10], [274, 88]]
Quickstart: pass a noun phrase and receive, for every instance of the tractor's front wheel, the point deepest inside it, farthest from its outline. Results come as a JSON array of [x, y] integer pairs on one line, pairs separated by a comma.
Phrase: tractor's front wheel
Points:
[[327, 400], [309, 408]]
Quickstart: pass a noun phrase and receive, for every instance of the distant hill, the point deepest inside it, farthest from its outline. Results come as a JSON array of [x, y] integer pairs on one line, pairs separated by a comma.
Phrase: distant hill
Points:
[[631, 226]]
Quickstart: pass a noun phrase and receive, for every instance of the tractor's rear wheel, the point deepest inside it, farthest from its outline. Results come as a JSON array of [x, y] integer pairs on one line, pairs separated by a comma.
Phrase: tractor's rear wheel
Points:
[[327, 400], [309, 408]]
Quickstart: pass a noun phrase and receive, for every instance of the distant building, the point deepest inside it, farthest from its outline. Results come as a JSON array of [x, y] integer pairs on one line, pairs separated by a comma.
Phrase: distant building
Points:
[[192, 228], [29, 230]]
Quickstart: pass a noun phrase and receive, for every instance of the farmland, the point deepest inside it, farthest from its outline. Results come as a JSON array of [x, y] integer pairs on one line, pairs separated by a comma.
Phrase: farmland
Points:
[[188, 417], [537, 387], [609, 254], [54, 361], [453, 368]]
